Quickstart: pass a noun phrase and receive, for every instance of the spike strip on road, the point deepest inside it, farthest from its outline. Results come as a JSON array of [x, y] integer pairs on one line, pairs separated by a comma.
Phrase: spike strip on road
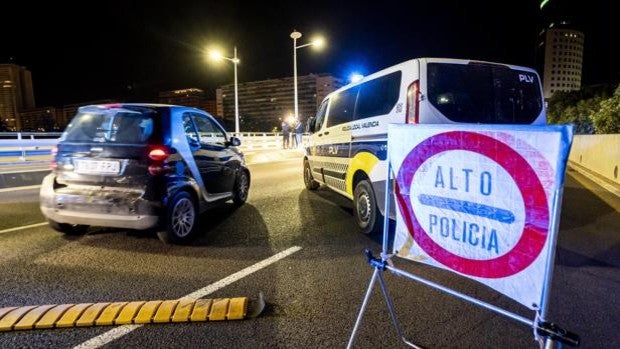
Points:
[[122, 313]]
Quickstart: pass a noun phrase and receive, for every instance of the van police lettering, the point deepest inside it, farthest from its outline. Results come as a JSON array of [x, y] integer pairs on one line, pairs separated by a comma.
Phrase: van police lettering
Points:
[[485, 180], [465, 232], [526, 78], [368, 124]]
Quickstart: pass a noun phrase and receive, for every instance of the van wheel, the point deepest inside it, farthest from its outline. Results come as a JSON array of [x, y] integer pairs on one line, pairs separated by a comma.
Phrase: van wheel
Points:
[[309, 181], [181, 219], [367, 214], [68, 229], [242, 188]]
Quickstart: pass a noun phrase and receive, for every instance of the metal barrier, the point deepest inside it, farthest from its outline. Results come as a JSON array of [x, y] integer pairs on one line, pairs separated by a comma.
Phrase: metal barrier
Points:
[[26, 145]]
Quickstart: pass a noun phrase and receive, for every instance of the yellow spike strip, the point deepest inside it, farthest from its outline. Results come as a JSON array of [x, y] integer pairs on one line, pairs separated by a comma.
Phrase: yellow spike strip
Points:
[[183, 311], [121, 313], [127, 314], [219, 309], [237, 309], [165, 311], [8, 320], [72, 314], [4, 311], [27, 322], [201, 310], [90, 315], [49, 319], [109, 314], [145, 315]]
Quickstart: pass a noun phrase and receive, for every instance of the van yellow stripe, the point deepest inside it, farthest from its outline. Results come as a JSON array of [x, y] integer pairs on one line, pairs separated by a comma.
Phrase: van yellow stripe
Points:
[[363, 161]]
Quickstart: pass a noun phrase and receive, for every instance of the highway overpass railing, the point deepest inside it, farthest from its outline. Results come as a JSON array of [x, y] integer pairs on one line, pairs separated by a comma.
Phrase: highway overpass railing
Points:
[[29, 145]]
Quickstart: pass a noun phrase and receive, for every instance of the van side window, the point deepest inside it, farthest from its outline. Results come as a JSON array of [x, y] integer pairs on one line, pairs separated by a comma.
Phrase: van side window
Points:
[[342, 107], [378, 96], [320, 115]]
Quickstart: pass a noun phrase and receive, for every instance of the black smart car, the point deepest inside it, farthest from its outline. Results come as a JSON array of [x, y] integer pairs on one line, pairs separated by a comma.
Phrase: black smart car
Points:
[[142, 166]]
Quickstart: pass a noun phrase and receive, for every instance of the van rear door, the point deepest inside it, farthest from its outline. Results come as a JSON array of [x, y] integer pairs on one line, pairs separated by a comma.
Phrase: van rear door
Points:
[[480, 93]]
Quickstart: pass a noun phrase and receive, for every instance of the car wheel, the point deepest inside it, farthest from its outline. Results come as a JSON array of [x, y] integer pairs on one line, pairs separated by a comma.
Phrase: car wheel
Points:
[[367, 214], [309, 181], [181, 219], [68, 229], [242, 188]]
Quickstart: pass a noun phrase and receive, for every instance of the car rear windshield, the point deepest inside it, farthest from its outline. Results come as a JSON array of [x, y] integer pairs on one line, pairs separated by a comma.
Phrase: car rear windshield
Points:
[[484, 93], [111, 125]]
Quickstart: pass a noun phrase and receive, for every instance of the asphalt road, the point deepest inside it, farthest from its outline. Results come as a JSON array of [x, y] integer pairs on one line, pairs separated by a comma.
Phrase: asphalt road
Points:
[[313, 295]]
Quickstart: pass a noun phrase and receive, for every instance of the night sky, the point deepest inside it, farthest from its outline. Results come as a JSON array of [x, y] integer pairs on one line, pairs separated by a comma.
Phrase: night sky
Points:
[[132, 50]]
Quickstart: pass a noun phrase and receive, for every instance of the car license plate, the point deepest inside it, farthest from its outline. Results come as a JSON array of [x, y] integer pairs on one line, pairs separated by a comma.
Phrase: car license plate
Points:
[[96, 167]]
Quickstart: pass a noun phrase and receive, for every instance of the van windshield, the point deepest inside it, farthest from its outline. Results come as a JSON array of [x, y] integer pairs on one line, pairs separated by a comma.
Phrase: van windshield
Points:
[[117, 125], [484, 93]]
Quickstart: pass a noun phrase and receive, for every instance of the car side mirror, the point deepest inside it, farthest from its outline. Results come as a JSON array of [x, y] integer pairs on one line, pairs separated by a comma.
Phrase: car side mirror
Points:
[[234, 141]]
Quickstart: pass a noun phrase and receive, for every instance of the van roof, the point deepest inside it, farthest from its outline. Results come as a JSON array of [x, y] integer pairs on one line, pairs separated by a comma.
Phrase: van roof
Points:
[[399, 66]]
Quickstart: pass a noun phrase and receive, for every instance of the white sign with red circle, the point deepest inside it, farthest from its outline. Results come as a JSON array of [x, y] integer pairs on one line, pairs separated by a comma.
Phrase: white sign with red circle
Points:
[[477, 200]]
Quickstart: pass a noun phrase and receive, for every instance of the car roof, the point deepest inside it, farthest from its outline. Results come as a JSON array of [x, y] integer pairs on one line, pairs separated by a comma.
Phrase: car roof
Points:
[[147, 105]]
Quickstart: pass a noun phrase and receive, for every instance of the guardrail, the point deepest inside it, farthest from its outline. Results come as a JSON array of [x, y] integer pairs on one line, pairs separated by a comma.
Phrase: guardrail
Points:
[[26, 145]]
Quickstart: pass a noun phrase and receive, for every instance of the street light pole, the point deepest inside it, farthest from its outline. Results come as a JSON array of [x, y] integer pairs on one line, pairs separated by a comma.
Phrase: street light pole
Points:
[[235, 61], [216, 55], [295, 35]]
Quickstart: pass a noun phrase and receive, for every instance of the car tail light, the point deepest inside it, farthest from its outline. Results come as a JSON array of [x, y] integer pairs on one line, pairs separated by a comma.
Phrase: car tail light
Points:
[[157, 160], [53, 163], [413, 103]]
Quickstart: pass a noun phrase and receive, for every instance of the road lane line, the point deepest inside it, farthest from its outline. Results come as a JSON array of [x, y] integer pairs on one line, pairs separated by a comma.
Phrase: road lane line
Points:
[[23, 227], [4, 190], [118, 332]]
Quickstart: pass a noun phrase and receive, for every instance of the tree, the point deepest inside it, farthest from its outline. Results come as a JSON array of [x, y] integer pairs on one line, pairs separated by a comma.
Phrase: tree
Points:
[[607, 118]]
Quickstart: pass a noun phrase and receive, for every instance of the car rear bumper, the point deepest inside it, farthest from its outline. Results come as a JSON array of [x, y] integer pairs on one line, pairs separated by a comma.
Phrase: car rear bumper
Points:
[[97, 206]]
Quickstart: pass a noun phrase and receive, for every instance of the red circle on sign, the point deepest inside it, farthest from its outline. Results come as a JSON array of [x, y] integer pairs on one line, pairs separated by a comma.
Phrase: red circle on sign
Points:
[[536, 224]]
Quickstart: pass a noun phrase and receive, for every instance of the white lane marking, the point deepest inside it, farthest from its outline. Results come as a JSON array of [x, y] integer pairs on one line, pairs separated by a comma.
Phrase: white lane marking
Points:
[[23, 227], [105, 338], [23, 169], [4, 190]]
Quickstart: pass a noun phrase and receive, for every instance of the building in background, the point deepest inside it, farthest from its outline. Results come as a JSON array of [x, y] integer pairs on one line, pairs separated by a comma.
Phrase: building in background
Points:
[[39, 119], [67, 112], [263, 103], [563, 58], [16, 94], [560, 47], [189, 97]]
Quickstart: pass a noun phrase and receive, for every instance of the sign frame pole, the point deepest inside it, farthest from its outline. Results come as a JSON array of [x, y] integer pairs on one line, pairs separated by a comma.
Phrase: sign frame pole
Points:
[[550, 336]]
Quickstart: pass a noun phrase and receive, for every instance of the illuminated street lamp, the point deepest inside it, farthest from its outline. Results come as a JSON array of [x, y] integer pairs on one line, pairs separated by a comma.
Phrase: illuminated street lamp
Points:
[[217, 56], [318, 43]]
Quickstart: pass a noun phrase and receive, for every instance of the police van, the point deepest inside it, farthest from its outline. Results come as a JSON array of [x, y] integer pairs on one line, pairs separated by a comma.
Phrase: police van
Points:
[[347, 150]]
